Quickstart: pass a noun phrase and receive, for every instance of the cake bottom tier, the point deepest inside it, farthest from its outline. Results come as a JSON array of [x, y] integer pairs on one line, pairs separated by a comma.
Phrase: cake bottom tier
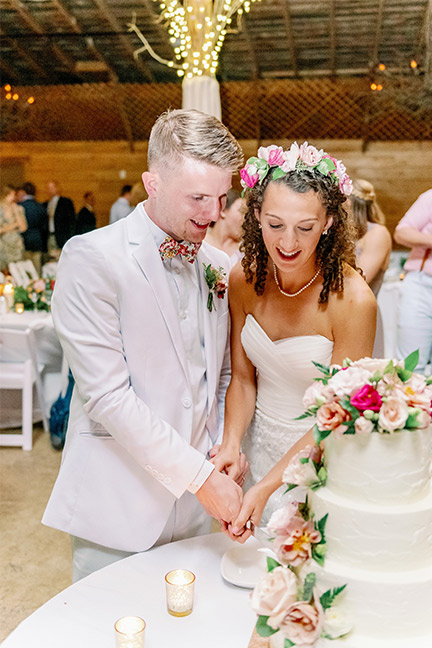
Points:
[[395, 606]]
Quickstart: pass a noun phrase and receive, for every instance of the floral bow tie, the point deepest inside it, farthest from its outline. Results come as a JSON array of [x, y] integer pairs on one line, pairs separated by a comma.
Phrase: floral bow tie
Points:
[[170, 248]]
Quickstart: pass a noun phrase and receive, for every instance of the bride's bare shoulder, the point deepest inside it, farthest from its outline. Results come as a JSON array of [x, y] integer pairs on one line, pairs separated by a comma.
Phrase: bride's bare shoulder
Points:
[[356, 293]]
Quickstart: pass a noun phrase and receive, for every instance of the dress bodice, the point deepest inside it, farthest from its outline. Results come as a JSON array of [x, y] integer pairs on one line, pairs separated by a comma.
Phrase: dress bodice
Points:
[[284, 368]]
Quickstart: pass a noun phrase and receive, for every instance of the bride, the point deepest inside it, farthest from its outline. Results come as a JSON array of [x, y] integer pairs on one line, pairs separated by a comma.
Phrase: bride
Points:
[[295, 298]]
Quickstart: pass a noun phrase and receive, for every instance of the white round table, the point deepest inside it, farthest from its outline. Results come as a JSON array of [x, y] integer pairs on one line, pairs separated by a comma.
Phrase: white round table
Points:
[[83, 615]]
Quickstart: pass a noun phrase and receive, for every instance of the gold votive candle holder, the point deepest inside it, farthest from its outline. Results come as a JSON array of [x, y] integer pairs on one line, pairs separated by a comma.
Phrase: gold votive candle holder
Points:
[[129, 632], [180, 592], [19, 307]]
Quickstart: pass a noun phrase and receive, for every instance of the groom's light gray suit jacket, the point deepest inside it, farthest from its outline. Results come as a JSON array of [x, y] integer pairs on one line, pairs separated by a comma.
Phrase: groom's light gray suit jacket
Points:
[[127, 455]]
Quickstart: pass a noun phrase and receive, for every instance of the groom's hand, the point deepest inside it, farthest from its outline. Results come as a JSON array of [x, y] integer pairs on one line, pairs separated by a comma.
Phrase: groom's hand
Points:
[[221, 497], [230, 461]]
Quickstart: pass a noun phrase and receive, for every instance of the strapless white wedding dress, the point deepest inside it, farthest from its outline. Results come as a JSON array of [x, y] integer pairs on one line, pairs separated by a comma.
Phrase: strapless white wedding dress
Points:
[[284, 371]]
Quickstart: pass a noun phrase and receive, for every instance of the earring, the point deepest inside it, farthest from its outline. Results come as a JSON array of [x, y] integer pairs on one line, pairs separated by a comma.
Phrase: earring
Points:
[[259, 226], [325, 232]]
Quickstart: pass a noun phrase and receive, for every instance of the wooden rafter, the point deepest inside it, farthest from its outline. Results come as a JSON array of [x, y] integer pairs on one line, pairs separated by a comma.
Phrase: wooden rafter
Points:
[[378, 30], [287, 21], [34, 26], [332, 35], [102, 7], [24, 54], [75, 26]]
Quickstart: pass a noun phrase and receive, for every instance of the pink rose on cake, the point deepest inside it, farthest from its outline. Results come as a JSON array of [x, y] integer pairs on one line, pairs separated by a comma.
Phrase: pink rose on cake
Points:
[[294, 547], [367, 398], [393, 414], [349, 380], [363, 426], [303, 622], [332, 416], [274, 593], [280, 519]]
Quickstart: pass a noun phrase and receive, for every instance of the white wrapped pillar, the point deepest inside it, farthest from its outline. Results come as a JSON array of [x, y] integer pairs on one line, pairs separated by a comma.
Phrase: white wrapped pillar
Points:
[[202, 93]]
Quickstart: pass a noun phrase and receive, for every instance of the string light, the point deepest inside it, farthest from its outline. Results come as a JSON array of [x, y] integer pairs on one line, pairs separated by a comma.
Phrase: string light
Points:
[[197, 29]]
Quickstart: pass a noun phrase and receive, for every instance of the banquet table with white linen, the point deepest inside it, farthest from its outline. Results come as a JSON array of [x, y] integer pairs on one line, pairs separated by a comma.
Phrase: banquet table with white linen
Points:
[[84, 614], [49, 353]]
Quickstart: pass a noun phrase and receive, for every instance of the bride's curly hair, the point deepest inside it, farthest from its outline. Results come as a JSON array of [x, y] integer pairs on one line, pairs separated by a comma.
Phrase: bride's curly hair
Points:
[[333, 249]]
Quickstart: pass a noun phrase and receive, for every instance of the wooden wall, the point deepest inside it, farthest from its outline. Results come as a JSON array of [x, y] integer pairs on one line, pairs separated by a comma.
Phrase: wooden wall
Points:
[[400, 171]]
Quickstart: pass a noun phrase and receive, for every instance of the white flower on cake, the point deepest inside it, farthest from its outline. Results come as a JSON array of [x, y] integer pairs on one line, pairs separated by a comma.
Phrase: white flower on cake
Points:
[[336, 623]]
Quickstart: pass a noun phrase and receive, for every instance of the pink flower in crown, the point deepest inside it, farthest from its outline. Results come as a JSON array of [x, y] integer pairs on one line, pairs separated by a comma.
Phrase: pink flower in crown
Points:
[[272, 154], [310, 155], [291, 157], [345, 185], [294, 547], [340, 170], [326, 155], [367, 398], [249, 176]]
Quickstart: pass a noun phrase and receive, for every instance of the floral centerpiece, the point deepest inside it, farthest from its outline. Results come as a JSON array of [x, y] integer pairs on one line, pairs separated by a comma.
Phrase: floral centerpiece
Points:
[[36, 296]]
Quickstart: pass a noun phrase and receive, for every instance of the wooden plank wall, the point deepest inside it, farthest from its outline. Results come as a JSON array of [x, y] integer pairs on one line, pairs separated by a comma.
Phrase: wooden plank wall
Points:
[[400, 171]]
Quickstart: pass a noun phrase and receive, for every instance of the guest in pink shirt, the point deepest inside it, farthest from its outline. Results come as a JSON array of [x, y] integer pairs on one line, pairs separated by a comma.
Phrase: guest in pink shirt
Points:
[[415, 308]]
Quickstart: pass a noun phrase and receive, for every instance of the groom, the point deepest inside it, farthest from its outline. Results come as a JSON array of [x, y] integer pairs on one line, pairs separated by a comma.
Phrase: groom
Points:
[[145, 335]]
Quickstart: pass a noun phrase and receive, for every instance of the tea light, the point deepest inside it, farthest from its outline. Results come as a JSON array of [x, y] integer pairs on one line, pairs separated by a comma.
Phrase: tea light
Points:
[[180, 592], [8, 293], [19, 307], [129, 632]]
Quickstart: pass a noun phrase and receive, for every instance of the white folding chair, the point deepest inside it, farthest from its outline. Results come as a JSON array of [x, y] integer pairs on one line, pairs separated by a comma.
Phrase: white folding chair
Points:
[[30, 269], [18, 274], [19, 369]]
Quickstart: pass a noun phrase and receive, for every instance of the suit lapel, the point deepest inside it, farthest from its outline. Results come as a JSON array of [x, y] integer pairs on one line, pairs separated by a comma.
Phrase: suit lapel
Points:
[[145, 252]]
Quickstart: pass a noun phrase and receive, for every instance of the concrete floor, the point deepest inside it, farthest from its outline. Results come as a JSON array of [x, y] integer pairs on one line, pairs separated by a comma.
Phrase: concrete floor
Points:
[[35, 561]]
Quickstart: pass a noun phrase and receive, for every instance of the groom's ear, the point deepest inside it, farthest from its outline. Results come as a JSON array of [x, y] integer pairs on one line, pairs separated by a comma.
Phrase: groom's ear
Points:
[[151, 182]]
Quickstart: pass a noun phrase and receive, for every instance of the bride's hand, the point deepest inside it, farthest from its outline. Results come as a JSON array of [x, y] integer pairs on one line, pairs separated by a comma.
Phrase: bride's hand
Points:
[[231, 461], [249, 517]]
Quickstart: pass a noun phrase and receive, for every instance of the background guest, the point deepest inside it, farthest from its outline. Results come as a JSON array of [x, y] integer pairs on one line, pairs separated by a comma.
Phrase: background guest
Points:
[[226, 233], [415, 306], [374, 240], [35, 236], [374, 245], [12, 223], [61, 219], [86, 219], [122, 206]]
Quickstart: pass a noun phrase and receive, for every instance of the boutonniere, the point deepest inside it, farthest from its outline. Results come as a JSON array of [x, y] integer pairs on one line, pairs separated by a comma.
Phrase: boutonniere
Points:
[[217, 283]]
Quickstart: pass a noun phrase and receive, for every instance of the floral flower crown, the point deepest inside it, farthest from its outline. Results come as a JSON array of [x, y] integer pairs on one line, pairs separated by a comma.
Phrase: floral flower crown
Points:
[[297, 158]]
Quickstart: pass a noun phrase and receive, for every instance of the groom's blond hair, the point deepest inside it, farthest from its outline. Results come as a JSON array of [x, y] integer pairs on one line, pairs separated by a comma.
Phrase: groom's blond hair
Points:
[[191, 133]]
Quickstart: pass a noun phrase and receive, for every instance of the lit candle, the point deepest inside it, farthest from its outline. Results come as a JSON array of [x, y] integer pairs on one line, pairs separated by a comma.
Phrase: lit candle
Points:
[[180, 592], [129, 632], [19, 307], [8, 293]]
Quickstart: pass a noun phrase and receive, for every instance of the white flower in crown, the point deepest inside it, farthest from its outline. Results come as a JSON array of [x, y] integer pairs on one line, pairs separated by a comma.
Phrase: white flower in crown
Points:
[[291, 157], [310, 155], [272, 154]]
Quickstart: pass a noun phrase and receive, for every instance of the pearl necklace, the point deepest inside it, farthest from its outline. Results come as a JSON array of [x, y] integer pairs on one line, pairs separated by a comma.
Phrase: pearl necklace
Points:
[[298, 291]]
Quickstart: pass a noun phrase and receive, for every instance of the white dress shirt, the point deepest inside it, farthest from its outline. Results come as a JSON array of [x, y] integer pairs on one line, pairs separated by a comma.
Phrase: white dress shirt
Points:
[[185, 289]]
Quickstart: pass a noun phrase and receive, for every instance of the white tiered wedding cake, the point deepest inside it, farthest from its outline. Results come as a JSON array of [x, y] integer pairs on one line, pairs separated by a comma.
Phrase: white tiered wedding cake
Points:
[[379, 536], [353, 564]]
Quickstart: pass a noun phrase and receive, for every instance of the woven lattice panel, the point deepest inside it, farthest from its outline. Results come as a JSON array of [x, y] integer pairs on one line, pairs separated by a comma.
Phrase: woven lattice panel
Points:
[[282, 109]]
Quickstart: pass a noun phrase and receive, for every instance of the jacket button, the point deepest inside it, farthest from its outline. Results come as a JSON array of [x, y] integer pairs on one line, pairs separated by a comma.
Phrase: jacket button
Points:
[[186, 402]]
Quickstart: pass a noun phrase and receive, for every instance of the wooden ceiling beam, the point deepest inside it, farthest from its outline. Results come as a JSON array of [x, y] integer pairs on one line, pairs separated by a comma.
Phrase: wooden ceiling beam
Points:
[[332, 34], [112, 20], [23, 53], [287, 21], [378, 30], [74, 25], [34, 26]]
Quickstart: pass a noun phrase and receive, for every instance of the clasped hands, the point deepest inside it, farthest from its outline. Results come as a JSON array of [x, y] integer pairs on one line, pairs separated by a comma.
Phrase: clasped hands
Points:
[[222, 497]]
